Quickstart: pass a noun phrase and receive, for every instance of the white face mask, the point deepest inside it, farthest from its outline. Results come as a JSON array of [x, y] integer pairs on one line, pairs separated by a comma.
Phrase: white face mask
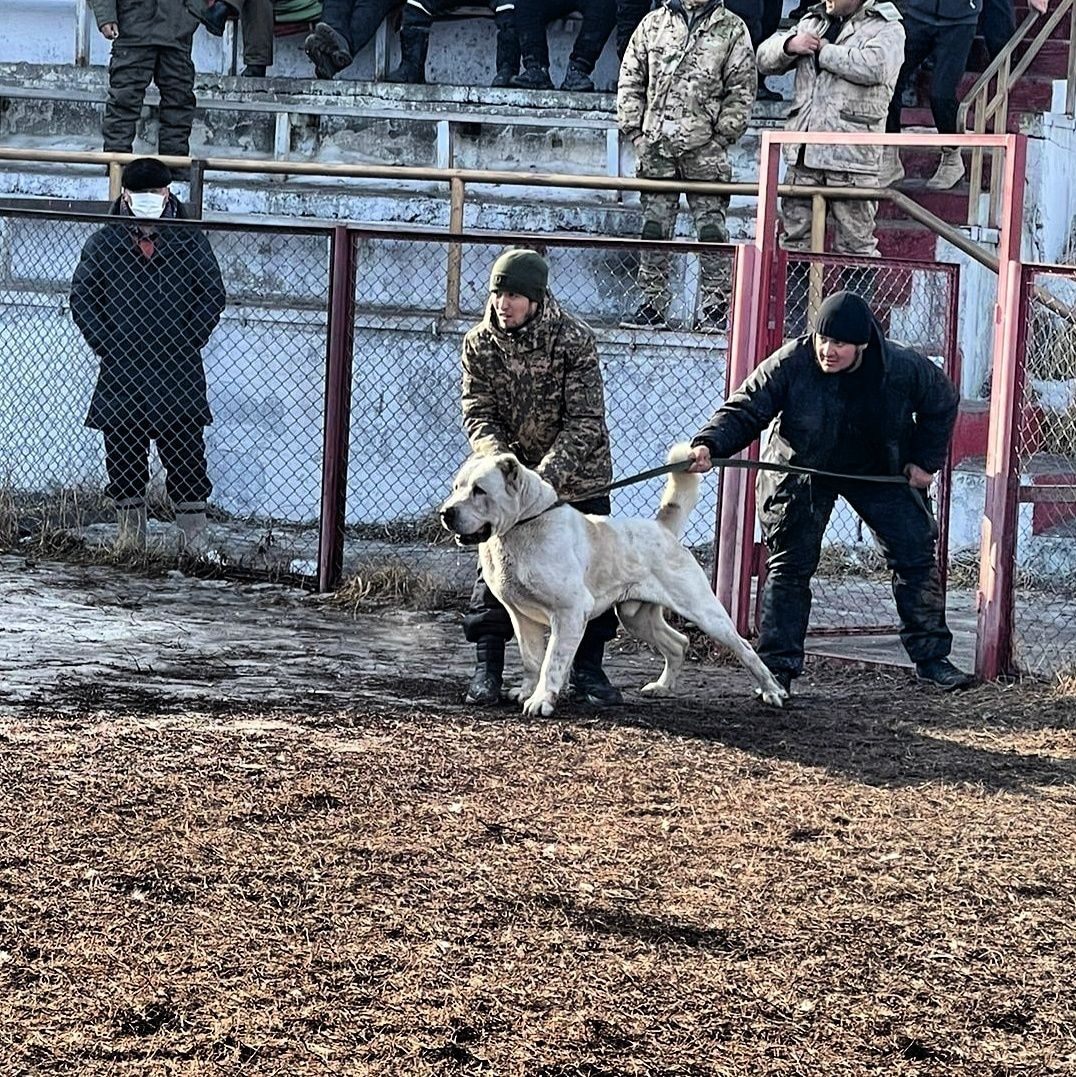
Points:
[[146, 203]]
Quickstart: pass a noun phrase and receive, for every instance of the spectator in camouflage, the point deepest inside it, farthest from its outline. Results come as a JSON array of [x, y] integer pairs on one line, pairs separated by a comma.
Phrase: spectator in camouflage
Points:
[[146, 298], [532, 386], [686, 89]]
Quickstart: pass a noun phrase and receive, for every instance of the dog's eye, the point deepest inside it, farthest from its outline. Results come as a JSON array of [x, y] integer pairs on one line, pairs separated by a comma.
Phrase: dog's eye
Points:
[[478, 490]]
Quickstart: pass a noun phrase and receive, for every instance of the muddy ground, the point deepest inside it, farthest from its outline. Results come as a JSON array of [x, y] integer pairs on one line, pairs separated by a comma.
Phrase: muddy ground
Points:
[[242, 830]]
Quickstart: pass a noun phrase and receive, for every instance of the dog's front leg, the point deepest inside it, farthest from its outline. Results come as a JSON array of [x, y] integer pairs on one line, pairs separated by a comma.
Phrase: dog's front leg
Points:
[[530, 635], [565, 632]]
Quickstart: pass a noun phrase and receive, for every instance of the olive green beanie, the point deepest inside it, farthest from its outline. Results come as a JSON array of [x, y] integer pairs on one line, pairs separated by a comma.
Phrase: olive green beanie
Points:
[[521, 271]]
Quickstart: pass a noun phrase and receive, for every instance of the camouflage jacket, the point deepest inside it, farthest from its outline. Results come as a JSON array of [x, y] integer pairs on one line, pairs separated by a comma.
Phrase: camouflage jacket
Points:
[[165, 23], [688, 78], [538, 393], [845, 86]]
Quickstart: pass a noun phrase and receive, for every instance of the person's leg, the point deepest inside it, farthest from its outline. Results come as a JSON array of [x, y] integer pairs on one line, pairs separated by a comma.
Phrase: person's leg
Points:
[[907, 533], [853, 219], [792, 531], [918, 42], [532, 19], [256, 20], [508, 51], [366, 17], [951, 50], [795, 213], [487, 625], [997, 23], [629, 13], [130, 71], [599, 18], [418, 16], [659, 218], [127, 467], [181, 447], [175, 80], [709, 211]]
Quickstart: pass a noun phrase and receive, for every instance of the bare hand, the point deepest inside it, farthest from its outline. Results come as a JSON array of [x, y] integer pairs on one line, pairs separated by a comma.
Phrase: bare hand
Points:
[[918, 479], [110, 30], [803, 44], [1038, 5], [701, 457]]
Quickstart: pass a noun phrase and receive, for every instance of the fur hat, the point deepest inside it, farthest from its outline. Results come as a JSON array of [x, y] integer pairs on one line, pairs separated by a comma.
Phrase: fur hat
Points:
[[521, 271], [145, 174]]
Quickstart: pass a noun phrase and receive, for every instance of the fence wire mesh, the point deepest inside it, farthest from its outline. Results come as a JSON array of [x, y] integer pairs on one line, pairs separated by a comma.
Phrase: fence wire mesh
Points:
[[1045, 549], [160, 367], [915, 303]]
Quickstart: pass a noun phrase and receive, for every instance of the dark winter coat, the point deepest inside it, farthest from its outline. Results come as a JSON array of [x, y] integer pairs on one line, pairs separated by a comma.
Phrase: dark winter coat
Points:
[[147, 320], [163, 23], [819, 424], [942, 12]]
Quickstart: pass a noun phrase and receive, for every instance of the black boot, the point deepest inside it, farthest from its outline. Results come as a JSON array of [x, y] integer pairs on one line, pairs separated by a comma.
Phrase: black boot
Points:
[[577, 79], [588, 681], [943, 674], [214, 16], [507, 49], [485, 687], [253, 71], [414, 45], [533, 78]]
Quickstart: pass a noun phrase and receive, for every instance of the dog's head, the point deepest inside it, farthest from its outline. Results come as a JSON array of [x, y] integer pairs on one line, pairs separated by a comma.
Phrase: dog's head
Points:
[[485, 498]]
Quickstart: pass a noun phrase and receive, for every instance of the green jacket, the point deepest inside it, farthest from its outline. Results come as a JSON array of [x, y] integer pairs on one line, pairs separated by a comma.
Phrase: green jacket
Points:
[[538, 393], [163, 23]]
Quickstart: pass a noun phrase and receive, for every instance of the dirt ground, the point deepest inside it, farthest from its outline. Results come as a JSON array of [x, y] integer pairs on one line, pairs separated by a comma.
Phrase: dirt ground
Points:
[[242, 830]]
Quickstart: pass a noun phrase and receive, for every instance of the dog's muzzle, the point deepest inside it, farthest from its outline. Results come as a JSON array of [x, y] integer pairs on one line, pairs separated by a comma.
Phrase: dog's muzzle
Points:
[[473, 538]]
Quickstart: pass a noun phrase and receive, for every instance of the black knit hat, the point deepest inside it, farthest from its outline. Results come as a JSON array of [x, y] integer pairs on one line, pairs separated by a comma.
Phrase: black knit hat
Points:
[[521, 271], [844, 316], [145, 174]]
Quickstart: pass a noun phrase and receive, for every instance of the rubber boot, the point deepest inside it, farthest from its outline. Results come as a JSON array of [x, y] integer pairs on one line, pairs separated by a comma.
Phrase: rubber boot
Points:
[[414, 45], [191, 521], [588, 681], [507, 50], [950, 171], [131, 525], [577, 79], [485, 687]]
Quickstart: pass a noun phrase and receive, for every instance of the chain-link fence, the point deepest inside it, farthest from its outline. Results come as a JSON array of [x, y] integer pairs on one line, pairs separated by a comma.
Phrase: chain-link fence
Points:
[[1044, 634], [915, 303], [148, 331]]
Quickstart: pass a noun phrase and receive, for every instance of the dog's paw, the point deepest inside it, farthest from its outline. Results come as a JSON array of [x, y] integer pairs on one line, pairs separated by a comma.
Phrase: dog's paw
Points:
[[539, 705], [772, 699], [655, 688]]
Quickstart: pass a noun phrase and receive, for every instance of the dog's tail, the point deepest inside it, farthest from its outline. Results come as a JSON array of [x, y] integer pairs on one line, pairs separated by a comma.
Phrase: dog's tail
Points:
[[680, 493]]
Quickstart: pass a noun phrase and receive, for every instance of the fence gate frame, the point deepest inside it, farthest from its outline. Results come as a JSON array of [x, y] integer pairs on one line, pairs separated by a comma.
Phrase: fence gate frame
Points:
[[753, 322]]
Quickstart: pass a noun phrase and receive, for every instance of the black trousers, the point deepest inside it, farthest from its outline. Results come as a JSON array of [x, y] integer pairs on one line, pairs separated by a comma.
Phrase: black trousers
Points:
[[181, 447], [532, 18], [949, 45], [356, 20], [904, 526], [485, 616], [130, 71], [629, 13]]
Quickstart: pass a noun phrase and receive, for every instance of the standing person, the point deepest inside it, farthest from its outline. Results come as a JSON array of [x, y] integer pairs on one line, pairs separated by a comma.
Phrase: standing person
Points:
[[532, 18], [532, 386], [418, 16], [146, 298], [685, 94], [846, 54], [845, 400], [344, 29], [256, 19], [629, 13], [943, 29], [150, 43]]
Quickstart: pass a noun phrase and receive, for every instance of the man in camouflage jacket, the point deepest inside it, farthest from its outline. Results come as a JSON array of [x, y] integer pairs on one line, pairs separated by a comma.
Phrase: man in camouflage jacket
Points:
[[847, 54], [532, 386], [685, 93], [151, 42]]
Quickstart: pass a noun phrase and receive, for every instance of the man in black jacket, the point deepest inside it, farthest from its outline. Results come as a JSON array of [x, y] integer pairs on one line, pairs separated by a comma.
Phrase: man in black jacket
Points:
[[845, 400], [146, 297]]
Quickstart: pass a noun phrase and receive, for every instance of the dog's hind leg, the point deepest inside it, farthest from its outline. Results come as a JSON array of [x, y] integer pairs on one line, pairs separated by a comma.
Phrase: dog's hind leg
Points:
[[647, 621]]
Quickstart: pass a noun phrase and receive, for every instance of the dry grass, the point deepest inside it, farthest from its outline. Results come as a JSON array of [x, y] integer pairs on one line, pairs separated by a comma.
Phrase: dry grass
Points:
[[877, 881], [392, 583]]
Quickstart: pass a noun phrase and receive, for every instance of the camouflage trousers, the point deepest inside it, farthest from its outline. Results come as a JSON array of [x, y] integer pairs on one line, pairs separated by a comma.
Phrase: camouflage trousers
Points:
[[852, 221], [130, 71], [708, 162]]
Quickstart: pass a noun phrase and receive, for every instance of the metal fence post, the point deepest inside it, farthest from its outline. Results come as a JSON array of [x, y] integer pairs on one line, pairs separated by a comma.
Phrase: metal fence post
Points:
[[341, 322], [997, 550]]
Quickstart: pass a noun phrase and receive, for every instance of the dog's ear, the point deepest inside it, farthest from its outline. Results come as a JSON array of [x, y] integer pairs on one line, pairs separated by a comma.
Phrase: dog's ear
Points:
[[509, 469]]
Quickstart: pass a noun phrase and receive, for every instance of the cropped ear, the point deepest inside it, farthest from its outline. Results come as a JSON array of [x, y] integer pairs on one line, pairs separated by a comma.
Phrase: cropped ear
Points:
[[509, 469]]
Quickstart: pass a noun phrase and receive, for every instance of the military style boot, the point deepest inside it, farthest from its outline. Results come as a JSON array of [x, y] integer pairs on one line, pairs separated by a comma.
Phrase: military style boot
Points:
[[577, 78], [191, 521], [485, 687], [588, 681], [950, 171], [414, 45], [131, 526], [535, 72], [507, 49]]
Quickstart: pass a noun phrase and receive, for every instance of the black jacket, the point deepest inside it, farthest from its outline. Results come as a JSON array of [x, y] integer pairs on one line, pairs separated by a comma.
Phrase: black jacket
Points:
[[147, 320], [912, 418]]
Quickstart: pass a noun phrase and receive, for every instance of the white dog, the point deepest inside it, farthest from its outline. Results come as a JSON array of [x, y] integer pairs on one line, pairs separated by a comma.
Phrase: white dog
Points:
[[554, 567]]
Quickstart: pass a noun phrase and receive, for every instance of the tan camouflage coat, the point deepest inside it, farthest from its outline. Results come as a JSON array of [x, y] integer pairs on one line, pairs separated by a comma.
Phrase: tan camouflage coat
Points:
[[538, 393], [849, 87], [688, 78]]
